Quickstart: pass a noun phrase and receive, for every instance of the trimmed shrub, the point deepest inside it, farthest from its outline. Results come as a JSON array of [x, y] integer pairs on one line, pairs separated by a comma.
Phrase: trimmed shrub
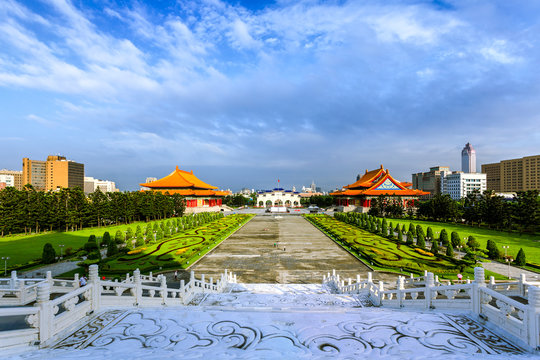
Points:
[[119, 237], [410, 238], [434, 246], [520, 258], [420, 230], [472, 243], [106, 238], [420, 241], [493, 251], [429, 233], [444, 237], [112, 248], [412, 229], [49, 255], [449, 250], [400, 236], [455, 239]]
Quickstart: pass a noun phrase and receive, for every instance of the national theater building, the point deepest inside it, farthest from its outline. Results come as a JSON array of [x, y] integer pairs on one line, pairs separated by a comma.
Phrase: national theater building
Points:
[[199, 195], [373, 184]]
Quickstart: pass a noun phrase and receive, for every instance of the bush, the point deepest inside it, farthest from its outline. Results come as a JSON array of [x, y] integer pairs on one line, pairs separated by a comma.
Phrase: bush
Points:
[[400, 236], [444, 237], [520, 258], [106, 238], [49, 255], [455, 239], [434, 246], [429, 233], [91, 245], [420, 242], [119, 237], [412, 229], [94, 255], [472, 243], [449, 250], [420, 230], [139, 241], [410, 238], [493, 251], [112, 248]]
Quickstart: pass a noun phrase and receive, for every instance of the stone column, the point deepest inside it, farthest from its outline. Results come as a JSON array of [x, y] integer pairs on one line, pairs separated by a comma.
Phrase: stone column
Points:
[[93, 279], [49, 278], [46, 316], [400, 287], [534, 317], [76, 281], [430, 282], [13, 280], [138, 288], [522, 280], [476, 296], [164, 290]]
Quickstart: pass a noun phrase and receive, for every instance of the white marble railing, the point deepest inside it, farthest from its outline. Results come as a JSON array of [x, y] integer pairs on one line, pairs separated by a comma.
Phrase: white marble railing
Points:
[[490, 302], [48, 318]]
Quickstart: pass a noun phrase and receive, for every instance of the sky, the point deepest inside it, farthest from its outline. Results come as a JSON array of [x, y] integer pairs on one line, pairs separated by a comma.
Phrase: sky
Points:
[[246, 92]]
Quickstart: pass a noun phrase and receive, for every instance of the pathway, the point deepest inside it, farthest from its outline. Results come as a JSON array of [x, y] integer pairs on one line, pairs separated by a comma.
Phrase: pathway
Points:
[[279, 249], [515, 272]]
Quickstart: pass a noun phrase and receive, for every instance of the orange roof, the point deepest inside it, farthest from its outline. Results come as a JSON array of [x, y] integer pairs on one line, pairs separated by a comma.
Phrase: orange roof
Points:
[[179, 179], [379, 182], [367, 179], [191, 192]]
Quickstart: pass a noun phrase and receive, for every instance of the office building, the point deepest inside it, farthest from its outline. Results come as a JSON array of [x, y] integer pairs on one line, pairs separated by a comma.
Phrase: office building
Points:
[[468, 159], [54, 173], [430, 181], [458, 184], [91, 185], [17, 177], [513, 175]]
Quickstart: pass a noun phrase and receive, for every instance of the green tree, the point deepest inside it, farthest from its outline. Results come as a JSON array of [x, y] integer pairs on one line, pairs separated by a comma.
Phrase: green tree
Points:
[[49, 255], [159, 235], [140, 240], [520, 258], [444, 237], [434, 246], [449, 250], [412, 229], [420, 230], [119, 237], [400, 236], [429, 233], [420, 241], [472, 243], [410, 238], [106, 238], [493, 251], [91, 244], [384, 228], [129, 233], [455, 239], [112, 248]]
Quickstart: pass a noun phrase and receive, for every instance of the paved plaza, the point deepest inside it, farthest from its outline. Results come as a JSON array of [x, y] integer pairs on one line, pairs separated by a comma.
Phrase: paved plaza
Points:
[[280, 249]]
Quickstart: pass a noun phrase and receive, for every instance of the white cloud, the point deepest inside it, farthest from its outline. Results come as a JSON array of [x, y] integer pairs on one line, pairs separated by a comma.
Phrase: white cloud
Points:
[[497, 51]]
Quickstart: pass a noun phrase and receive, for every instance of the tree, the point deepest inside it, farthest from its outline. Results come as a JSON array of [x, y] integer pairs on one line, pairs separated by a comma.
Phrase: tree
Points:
[[106, 238], [493, 251], [444, 237], [49, 255], [520, 258], [420, 230], [455, 239], [129, 234], [420, 241], [91, 245], [449, 250], [384, 228], [112, 248], [119, 237], [412, 229], [140, 240], [429, 233], [472, 243], [434, 246], [410, 238], [400, 236]]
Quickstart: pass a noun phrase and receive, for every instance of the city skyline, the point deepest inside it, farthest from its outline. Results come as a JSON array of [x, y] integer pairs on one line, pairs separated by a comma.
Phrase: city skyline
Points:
[[244, 92]]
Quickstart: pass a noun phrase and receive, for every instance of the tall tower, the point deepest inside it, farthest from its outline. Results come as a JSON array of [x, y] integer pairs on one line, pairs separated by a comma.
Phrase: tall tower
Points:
[[468, 159]]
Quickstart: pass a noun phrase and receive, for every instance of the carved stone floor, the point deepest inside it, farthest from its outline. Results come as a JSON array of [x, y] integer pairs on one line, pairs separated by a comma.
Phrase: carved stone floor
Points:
[[279, 322]]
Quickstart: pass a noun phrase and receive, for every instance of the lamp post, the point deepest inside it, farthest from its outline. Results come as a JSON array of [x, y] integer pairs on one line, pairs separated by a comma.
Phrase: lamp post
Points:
[[5, 258], [61, 248], [508, 260], [506, 251], [459, 251]]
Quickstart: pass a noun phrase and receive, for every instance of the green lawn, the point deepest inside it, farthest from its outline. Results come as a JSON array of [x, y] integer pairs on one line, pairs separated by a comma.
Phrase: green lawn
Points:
[[24, 248], [179, 251], [529, 243], [387, 255]]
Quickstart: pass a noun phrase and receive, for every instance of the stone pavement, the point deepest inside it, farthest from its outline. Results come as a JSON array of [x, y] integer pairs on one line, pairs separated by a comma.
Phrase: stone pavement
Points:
[[281, 249], [502, 269], [56, 269]]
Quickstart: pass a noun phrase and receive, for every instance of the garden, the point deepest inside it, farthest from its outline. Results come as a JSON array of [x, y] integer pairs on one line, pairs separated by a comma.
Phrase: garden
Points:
[[179, 251], [390, 255]]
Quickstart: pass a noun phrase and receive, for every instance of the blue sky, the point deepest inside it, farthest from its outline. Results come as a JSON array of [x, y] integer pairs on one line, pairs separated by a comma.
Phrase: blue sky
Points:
[[244, 92]]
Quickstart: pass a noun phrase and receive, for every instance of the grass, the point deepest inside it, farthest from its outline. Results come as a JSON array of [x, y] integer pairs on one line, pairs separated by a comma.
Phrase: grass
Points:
[[529, 243], [22, 249], [179, 251], [386, 255]]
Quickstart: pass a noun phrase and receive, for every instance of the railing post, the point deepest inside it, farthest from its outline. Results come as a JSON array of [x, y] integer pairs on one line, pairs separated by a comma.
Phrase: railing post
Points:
[[534, 317], [430, 281], [211, 283], [49, 278], [93, 278], [150, 276], [400, 288], [23, 292], [76, 281], [127, 277], [163, 290], [479, 282], [370, 277], [13, 280], [192, 276], [381, 289], [138, 288], [46, 317], [522, 280], [491, 282], [202, 283]]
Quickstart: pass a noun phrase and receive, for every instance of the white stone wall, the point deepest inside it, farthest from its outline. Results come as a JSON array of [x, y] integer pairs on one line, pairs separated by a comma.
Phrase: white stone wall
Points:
[[278, 198]]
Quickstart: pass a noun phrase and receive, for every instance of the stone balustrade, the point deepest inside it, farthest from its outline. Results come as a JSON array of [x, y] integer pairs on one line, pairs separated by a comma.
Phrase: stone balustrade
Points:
[[48, 318], [491, 301]]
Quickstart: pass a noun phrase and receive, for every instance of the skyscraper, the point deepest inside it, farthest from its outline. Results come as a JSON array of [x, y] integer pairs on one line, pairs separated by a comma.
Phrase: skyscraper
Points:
[[468, 159], [56, 172]]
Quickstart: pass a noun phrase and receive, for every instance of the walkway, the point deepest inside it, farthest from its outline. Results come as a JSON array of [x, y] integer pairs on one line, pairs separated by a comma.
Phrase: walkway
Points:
[[502, 269], [279, 249]]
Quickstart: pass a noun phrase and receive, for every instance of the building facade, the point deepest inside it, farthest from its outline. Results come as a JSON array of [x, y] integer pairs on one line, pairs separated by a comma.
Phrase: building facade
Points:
[[459, 184], [91, 185], [278, 197], [199, 196], [468, 159], [514, 175], [8, 180], [374, 184], [430, 181], [55, 173], [17, 177]]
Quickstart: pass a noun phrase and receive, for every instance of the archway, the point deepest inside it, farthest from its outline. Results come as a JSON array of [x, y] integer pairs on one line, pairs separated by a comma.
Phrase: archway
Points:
[[261, 203], [288, 203], [268, 203], [278, 202]]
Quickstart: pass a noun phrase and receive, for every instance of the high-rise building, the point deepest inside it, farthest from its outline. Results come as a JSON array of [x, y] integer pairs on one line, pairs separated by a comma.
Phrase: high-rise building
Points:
[[54, 173], [468, 159], [8, 180], [91, 185], [514, 175], [430, 181], [458, 184], [17, 176]]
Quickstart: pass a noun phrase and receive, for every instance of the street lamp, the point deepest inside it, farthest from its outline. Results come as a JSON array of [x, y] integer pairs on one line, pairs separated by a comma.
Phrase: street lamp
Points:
[[508, 260], [459, 251], [506, 251], [5, 258], [61, 247]]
